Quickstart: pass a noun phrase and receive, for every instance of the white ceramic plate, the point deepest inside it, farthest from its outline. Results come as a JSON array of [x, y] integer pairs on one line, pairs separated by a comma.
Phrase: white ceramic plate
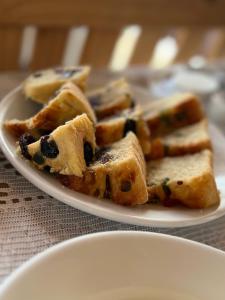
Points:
[[123, 266], [15, 106]]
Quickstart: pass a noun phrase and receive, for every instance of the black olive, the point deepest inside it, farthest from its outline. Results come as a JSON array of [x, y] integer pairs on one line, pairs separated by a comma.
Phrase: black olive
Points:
[[37, 74], [95, 100], [155, 199], [44, 131], [166, 150], [97, 193], [107, 193], [67, 73], [102, 156], [38, 158], [125, 186], [30, 99], [88, 153], [47, 169], [25, 140], [181, 116], [179, 182], [70, 73], [132, 103], [49, 148], [130, 125]]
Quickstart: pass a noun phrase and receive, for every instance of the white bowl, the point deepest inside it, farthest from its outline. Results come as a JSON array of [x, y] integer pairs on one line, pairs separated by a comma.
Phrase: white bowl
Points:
[[121, 266]]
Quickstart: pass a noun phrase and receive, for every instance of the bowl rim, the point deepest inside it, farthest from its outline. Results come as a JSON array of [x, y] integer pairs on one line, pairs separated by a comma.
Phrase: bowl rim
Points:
[[43, 256]]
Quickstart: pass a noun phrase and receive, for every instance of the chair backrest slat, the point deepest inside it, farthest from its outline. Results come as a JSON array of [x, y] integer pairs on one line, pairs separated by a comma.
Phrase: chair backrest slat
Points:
[[99, 46], [193, 44], [49, 48], [10, 47], [146, 44], [105, 20], [215, 43]]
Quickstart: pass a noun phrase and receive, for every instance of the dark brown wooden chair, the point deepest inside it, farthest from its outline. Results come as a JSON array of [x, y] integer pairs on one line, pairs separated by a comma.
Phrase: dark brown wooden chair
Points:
[[197, 26]]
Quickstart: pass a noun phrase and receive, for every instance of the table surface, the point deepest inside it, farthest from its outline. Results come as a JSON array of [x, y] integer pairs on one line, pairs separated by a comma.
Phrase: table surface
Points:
[[31, 221]]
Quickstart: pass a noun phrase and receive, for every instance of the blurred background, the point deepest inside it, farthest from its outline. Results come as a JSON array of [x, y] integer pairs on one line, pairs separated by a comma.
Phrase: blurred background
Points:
[[165, 46], [110, 33]]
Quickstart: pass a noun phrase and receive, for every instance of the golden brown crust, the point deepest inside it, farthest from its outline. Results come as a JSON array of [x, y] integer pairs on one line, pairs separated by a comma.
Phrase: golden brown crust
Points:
[[112, 108], [187, 180], [182, 111], [68, 143], [115, 175], [112, 98], [113, 129], [67, 104], [187, 140], [41, 85]]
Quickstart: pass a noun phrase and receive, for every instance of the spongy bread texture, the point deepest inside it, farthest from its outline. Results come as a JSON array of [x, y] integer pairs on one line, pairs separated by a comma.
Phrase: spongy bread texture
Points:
[[69, 139], [185, 179], [112, 129], [186, 140], [117, 174], [165, 115], [66, 105], [41, 85], [112, 98]]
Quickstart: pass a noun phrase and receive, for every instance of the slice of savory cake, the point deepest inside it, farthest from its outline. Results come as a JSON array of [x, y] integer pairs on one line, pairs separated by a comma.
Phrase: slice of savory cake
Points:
[[117, 174], [165, 115], [187, 180], [69, 149], [68, 102], [41, 85], [112, 98], [186, 140], [114, 128]]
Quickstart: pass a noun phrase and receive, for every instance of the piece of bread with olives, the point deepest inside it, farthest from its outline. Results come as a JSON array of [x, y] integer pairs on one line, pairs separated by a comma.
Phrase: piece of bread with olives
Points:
[[41, 85], [165, 115], [69, 149], [114, 128], [68, 102], [110, 99], [186, 140], [118, 173], [186, 180]]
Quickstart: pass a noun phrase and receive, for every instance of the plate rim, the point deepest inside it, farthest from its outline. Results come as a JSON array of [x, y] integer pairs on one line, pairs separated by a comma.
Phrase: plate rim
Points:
[[80, 204]]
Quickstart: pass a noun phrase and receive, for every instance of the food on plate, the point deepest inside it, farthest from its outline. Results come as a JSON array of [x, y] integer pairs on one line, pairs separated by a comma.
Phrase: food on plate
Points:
[[186, 140], [188, 180], [118, 173], [114, 128], [41, 85], [165, 115], [69, 149], [98, 143], [112, 98], [69, 101]]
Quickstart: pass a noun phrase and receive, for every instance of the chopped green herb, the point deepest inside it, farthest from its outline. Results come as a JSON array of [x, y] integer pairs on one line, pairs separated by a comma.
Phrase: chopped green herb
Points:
[[178, 134], [165, 187], [165, 118], [166, 150], [180, 116]]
